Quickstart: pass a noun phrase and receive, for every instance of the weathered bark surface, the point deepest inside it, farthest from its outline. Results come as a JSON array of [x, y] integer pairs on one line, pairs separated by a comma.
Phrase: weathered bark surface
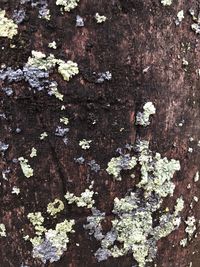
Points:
[[136, 35]]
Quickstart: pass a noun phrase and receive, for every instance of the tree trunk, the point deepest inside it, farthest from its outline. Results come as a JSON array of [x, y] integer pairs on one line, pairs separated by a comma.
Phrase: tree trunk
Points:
[[151, 59]]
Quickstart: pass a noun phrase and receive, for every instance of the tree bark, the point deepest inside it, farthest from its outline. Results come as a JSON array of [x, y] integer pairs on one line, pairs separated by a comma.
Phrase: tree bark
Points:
[[142, 47]]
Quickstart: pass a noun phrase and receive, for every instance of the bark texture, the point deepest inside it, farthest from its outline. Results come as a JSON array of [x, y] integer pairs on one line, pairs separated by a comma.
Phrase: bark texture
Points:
[[137, 34]]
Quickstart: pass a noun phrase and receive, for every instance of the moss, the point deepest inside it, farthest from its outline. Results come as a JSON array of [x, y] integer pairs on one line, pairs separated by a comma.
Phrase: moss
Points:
[[55, 207], [26, 168], [2, 230], [67, 5], [7, 26]]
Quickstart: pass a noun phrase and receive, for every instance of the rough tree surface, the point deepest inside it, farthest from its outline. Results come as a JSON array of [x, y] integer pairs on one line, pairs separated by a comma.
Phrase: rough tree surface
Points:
[[150, 58]]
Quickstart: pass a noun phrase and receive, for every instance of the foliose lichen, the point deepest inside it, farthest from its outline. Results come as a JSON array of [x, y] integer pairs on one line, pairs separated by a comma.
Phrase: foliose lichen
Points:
[[100, 18], [2, 230], [142, 118], [55, 207], [67, 5], [25, 166], [7, 26]]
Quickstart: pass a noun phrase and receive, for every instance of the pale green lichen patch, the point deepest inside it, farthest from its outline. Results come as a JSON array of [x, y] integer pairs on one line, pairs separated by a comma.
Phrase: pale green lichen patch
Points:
[[123, 162], [33, 152], [100, 18], [2, 230], [166, 2], [55, 207], [142, 118], [67, 69], [15, 190], [41, 61], [64, 120], [37, 220], [43, 135], [195, 26], [85, 199], [133, 229], [52, 45], [67, 5], [85, 144], [25, 166], [7, 26], [53, 90]]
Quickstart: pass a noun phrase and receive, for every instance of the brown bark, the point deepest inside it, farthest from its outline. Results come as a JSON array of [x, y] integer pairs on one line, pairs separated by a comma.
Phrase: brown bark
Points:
[[137, 34]]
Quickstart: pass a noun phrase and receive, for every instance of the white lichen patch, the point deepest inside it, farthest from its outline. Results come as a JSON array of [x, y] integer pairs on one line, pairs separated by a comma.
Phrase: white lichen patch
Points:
[[195, 26], [180, 15], [55, 207], [64, 120], [166, 2], [100, 18], [7, 26], [25, 166], [191, 226], [85, 144], [43, 135], [196, 177], [67, 69], [15, 190], [67, 5], [142, 118], [183, 242], [123, 162], [52, 45], [2, 230], [85, 199], [33, 152]]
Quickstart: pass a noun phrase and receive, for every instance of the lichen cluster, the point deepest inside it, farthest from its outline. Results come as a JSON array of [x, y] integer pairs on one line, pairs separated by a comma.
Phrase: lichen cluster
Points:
[[7, 26], [67, 5], [25, 166], [142, 118]]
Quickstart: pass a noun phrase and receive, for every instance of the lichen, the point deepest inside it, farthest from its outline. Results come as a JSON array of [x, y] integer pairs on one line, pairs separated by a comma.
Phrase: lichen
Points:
[[15, 190], [142, 118], [7, 26], [85, 199], [26, 168], [43, 135], [64, 120], [166, 2], [191, 226], [67, 5], [33, 152], [196, 177], [67, 69], [52, 45], [53, 90], [123, 162], [2, 230], [85, 144], [55, 207], [100, 18]]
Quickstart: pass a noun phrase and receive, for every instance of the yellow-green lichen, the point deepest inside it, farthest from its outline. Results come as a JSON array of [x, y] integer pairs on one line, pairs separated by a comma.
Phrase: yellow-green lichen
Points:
[[166, 2], [26, 168], [67, 5], [85, 144], [67, 69], [100, 18], [7, 26], [142, 118], [33, 152], [123, 162], [64, 120], [55, 207], [52, 45], [85, 199], [2, 230]]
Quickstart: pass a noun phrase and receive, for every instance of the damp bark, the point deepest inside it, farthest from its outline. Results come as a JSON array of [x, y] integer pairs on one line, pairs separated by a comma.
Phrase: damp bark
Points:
[[134, 57]]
